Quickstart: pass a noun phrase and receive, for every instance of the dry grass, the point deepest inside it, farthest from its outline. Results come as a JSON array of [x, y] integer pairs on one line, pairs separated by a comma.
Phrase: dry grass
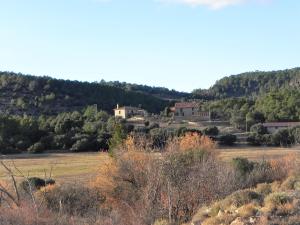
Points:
[[81, 166], [258, 153], [66, 166]]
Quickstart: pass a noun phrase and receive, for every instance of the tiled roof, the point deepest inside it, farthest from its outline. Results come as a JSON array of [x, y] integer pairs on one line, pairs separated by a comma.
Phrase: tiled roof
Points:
[[186, 105], [281, 124]]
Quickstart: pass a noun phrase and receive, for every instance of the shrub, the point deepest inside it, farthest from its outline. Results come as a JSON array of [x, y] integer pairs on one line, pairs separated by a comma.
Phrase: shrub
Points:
[[32, 184], [268, 139], [73, 199], [241, 198], [193, 141], [211, 131], [36, 148], [242, 165], [49, 181], [187, 173], [262, 172], [259, 129], [289, 184], [6, 150], [296, 133], [264, 189], [81, 145], [23, 144], [247, 210], [159, 137], [228, 139], [283, 137], [278, 198], [275, 200], [255, 140], [47, 141]]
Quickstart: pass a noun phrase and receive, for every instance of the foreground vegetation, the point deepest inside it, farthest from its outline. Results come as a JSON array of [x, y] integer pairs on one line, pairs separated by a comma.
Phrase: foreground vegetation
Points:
[[268, 203], [139, 186], [83, 166]]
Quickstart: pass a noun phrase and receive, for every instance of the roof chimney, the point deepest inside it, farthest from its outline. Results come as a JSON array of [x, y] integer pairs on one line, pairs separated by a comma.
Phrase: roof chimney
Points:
[[117, 106]]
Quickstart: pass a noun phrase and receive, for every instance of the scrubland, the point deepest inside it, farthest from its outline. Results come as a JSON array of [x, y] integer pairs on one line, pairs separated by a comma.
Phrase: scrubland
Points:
[[189, 181]]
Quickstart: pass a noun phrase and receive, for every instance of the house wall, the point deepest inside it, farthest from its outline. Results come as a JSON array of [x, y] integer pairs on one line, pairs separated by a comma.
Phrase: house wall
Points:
[[128, 112], [191, 114], [185, 112], [121, 113]]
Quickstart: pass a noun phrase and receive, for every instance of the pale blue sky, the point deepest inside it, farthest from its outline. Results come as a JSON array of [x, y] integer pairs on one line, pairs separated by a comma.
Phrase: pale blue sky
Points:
[[180, 44]]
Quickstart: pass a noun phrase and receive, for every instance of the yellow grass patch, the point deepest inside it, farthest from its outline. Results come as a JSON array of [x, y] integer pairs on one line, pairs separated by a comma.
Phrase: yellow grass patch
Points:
[[65, 166]]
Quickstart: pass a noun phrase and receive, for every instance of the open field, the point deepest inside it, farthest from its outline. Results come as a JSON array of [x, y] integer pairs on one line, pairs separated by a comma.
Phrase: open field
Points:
[[258, 153], [82, 166], [65, 166]]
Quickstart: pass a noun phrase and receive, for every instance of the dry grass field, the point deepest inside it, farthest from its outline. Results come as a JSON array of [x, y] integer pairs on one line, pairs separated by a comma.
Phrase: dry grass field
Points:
[[258, 153], [75, 167], [65, 166]]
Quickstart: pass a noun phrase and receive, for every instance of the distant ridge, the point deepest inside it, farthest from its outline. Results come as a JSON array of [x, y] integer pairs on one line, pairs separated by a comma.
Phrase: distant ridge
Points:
[[251, 84], [32, 95]]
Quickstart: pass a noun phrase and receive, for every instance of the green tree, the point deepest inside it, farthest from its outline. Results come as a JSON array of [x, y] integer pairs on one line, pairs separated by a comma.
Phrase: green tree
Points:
[[118, 136]]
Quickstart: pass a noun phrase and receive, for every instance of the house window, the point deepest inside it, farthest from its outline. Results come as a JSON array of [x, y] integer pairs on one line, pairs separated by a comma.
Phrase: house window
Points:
[[119, 112]]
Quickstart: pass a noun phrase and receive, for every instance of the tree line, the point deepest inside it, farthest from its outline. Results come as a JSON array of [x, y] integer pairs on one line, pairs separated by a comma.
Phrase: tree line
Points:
[[32, 95], [251, 84], [280, 105]]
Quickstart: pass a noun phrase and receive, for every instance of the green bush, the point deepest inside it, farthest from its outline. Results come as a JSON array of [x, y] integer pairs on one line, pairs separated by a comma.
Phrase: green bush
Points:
[[242, 165], [22, 145], [211, 131], [259, 129], [283, 137], [228, 139], [49, 181], [36, 148], [296, 133], [255, 140], [33, 184]]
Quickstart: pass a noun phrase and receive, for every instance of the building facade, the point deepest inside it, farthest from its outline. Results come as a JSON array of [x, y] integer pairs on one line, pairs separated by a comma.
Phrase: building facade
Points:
[[126, 112], [190, 111]]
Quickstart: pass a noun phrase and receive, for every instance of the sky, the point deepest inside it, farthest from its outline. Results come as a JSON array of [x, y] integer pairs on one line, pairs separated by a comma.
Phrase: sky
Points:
[[179, 44]]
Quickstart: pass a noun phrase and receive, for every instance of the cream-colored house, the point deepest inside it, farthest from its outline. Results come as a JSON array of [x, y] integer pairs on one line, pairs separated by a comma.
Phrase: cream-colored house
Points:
[[190, 110], [126, 112]]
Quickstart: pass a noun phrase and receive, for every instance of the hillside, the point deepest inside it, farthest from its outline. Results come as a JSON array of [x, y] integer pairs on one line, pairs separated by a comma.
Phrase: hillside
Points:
[[251, 84], [160, 92], [32, 95]]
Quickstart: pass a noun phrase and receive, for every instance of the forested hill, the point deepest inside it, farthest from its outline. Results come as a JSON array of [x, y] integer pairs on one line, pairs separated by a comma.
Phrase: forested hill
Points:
[[251, 84], [160, 92], [33, 95]]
